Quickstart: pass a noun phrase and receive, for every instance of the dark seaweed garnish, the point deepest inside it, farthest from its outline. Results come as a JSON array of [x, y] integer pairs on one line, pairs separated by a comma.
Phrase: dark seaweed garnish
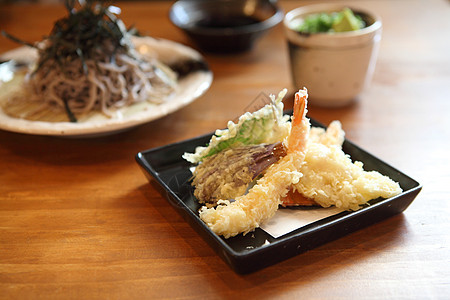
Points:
[[185, 67]]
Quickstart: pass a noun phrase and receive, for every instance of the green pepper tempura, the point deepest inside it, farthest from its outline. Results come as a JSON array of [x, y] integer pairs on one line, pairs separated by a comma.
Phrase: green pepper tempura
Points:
[[342, 21]]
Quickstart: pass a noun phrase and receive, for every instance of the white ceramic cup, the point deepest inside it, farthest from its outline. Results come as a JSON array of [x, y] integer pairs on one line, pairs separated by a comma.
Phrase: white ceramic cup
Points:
[[334, 67]]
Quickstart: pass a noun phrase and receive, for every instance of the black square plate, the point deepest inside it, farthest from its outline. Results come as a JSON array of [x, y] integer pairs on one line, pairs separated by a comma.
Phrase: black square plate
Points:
[[258, 249]]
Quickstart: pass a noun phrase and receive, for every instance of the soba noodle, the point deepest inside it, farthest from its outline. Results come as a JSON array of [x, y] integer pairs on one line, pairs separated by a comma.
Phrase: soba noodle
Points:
[[104, 87]]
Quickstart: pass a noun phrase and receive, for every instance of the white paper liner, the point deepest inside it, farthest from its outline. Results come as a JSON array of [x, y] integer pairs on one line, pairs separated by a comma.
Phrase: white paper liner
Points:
[[288, 220]]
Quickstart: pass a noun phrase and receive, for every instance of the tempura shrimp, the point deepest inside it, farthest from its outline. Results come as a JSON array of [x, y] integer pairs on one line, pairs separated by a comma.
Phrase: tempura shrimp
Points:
[[261, 202]]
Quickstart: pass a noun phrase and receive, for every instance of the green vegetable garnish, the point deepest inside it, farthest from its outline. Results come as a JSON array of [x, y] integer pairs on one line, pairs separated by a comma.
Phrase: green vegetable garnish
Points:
[[267, 125], [342, 21]]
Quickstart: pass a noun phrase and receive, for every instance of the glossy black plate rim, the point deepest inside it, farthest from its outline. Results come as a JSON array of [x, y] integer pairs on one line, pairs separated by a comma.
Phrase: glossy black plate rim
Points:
[[291, 244]]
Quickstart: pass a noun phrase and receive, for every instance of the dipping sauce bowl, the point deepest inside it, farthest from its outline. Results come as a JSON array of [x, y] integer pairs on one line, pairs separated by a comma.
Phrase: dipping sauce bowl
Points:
[[334, 67], [225, 26]]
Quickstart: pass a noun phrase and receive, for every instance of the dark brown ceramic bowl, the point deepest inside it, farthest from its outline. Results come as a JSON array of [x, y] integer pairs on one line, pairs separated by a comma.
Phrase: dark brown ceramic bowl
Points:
[[225, 26]]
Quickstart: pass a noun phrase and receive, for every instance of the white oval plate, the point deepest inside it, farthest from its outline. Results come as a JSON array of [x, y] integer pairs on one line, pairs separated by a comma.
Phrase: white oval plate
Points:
[[189, 88]]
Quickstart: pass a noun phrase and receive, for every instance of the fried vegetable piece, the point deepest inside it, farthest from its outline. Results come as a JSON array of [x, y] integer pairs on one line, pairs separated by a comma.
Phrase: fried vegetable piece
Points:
[[295, 198], [267, 125], [227, 174]]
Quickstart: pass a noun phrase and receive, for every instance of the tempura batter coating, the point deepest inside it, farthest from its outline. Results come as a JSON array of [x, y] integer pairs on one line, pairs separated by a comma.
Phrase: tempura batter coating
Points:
[[331, 178]]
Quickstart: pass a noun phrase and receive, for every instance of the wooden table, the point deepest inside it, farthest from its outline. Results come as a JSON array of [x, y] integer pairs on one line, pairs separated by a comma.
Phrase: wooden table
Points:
[[79, 220]]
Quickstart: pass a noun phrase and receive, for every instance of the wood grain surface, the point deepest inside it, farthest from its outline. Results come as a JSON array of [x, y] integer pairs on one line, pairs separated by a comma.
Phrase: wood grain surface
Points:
[[79, 220]]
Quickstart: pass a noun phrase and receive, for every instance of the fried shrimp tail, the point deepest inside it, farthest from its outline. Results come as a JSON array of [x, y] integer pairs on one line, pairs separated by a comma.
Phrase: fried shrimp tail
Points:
[[261, 202], [298, 136]]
